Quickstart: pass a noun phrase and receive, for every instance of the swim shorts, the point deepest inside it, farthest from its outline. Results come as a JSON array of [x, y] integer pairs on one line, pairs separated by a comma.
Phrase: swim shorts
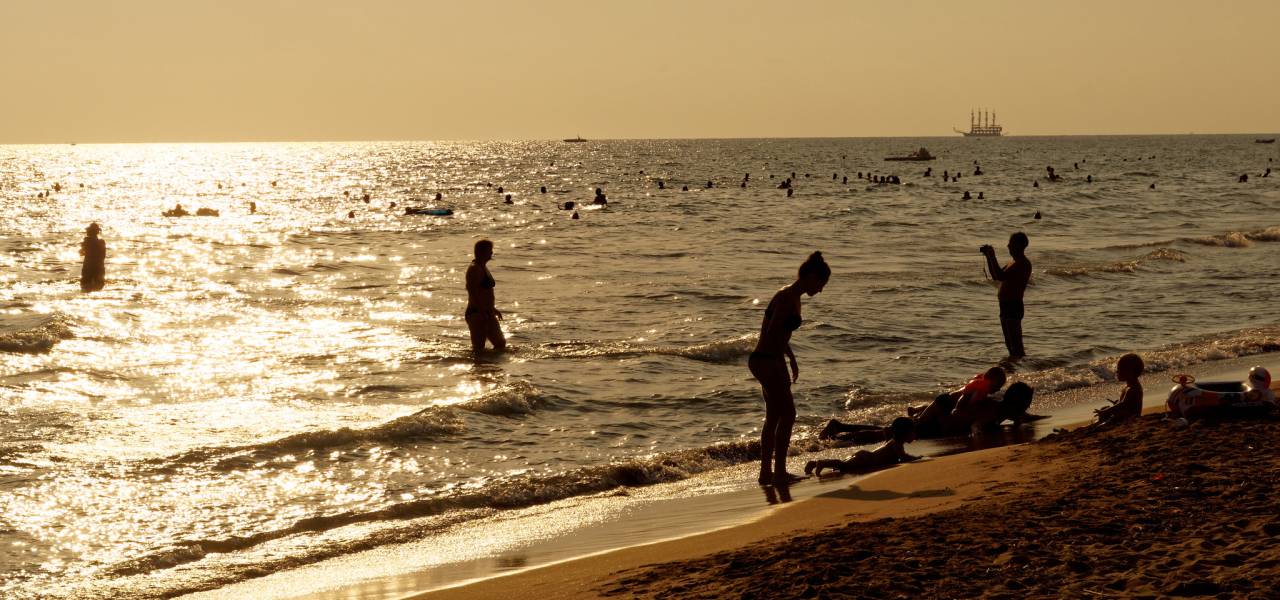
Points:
[[1011, 309]]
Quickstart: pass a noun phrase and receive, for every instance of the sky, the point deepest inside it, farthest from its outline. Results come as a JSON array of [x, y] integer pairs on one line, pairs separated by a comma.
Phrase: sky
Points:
[[278, 70]]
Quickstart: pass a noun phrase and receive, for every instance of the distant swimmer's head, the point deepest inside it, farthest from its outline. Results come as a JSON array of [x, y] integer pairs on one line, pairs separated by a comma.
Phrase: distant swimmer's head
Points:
[[93, 229], [1018, 242], [484, 250], [1130, 366], [903, 430], [439, 196], [814, 274], [1017, 399], [995, 377]]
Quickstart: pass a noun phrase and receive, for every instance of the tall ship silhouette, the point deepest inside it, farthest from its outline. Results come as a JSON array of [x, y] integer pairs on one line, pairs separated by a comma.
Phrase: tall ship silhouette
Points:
[[982, 124]]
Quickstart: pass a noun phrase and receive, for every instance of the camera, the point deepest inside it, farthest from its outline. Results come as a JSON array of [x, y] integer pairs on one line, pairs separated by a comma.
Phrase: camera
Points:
[[985, 248]]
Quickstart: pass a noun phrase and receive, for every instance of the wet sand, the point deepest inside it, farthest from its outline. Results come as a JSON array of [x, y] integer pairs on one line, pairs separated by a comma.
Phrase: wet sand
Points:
[[919, 489], [1143, 509]]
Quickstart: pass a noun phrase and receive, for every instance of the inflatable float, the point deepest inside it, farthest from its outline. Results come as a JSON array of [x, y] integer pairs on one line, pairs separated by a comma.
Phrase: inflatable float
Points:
[[428, 210], [1190, 399]]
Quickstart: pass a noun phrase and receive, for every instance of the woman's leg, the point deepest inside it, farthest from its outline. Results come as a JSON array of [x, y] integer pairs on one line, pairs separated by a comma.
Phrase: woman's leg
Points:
[[477, 329], [766, 371], [784, 406], [495, 334]]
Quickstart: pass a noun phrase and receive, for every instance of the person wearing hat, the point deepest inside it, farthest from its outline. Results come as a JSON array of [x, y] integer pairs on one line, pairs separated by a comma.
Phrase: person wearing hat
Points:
[[94, 250]]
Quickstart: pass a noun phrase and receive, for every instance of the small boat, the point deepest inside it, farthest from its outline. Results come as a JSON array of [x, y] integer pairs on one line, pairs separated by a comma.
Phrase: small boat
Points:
[[434, 211], [921, 154], [1270, 141], [576, 140], [176, 211], [206, 212]]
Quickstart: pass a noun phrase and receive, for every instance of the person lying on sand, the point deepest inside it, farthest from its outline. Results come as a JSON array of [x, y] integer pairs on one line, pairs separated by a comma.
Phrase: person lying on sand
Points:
[[902, 431], [1128, 369], [1011, 406], [975, 411]]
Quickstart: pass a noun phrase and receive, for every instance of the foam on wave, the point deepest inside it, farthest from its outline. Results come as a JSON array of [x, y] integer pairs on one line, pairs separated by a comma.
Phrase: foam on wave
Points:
[[1122, 266], [34, 334], [718, 351], [429, 424]]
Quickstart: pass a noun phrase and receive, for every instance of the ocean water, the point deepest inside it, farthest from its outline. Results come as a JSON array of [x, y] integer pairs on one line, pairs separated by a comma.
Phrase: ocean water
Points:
[[253, 392]]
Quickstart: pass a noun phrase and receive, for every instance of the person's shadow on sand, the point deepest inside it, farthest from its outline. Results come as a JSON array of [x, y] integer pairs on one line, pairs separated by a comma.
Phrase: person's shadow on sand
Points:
[[856, 493]]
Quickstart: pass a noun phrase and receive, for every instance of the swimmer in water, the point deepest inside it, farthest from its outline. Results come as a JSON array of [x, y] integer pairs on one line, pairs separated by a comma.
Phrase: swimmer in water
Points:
[[790, 192], [768, 364], [600, 198], [94, 250], [482, 315], [966, 196]]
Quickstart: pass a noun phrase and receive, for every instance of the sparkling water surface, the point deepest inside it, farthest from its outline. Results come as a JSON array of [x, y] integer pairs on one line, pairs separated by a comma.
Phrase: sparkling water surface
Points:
[[302, 381]]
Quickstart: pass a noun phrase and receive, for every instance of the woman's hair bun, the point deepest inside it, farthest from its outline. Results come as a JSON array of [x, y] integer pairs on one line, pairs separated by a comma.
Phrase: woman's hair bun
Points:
[[815, 265]]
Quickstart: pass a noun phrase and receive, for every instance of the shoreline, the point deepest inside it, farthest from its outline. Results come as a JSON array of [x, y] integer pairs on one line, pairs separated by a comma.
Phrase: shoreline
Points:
[[906, 491], [1078, 404]]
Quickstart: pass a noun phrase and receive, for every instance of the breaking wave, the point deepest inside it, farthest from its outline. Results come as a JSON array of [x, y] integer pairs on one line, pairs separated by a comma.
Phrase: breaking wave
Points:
[[1122, 266], [429, 424], [1239, 239], [719, 351], [33, 334]]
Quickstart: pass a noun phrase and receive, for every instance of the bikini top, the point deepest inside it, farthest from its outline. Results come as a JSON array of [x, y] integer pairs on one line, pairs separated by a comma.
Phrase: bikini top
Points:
[[488, 282], [793, 321]]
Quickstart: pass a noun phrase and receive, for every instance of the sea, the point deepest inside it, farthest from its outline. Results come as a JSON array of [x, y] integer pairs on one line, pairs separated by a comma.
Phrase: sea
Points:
[[267, 389]]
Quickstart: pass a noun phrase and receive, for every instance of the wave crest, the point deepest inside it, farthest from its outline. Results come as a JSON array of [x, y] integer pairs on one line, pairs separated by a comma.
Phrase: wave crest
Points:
[[718, 351], [34, 334], [1122, 266]]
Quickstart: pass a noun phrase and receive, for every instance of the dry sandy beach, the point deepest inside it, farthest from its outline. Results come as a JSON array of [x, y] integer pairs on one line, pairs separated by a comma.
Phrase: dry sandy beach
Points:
[[1139, 510]]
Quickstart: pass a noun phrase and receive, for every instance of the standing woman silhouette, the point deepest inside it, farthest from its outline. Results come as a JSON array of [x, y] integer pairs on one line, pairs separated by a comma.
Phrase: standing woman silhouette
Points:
[[782, 317], [93, 272], [482, 316]]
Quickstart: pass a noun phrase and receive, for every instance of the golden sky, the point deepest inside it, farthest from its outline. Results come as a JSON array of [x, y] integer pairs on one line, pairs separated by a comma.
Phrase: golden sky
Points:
[[231, 70]]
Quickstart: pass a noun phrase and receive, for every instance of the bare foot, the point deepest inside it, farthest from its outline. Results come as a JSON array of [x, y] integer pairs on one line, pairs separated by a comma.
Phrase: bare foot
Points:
[[766, 477], [785, 478]]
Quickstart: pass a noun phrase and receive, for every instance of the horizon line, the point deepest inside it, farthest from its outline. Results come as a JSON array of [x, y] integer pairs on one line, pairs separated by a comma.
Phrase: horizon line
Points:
[[625, 139]]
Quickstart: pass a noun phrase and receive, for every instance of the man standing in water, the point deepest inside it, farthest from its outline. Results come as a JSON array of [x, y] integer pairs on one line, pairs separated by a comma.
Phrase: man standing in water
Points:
[[1013, 280]]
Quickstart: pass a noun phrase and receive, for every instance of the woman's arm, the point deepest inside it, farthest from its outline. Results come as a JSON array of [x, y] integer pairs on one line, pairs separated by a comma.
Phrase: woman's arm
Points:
[[472, 280]]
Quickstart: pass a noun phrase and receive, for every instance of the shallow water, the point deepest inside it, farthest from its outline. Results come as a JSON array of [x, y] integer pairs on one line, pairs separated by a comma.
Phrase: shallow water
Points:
[[294, 384]]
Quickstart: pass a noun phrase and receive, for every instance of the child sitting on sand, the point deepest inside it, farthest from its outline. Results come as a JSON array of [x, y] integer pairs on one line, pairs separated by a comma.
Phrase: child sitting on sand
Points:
[[1128, 369], [891, 453]]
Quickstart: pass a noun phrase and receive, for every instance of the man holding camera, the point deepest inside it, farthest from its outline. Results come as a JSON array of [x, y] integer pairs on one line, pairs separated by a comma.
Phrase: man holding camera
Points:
[[1013, 280]]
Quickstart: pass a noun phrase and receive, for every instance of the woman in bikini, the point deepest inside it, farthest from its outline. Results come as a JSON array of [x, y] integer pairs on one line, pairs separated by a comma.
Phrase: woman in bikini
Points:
[[768, 365], [482, 316]]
